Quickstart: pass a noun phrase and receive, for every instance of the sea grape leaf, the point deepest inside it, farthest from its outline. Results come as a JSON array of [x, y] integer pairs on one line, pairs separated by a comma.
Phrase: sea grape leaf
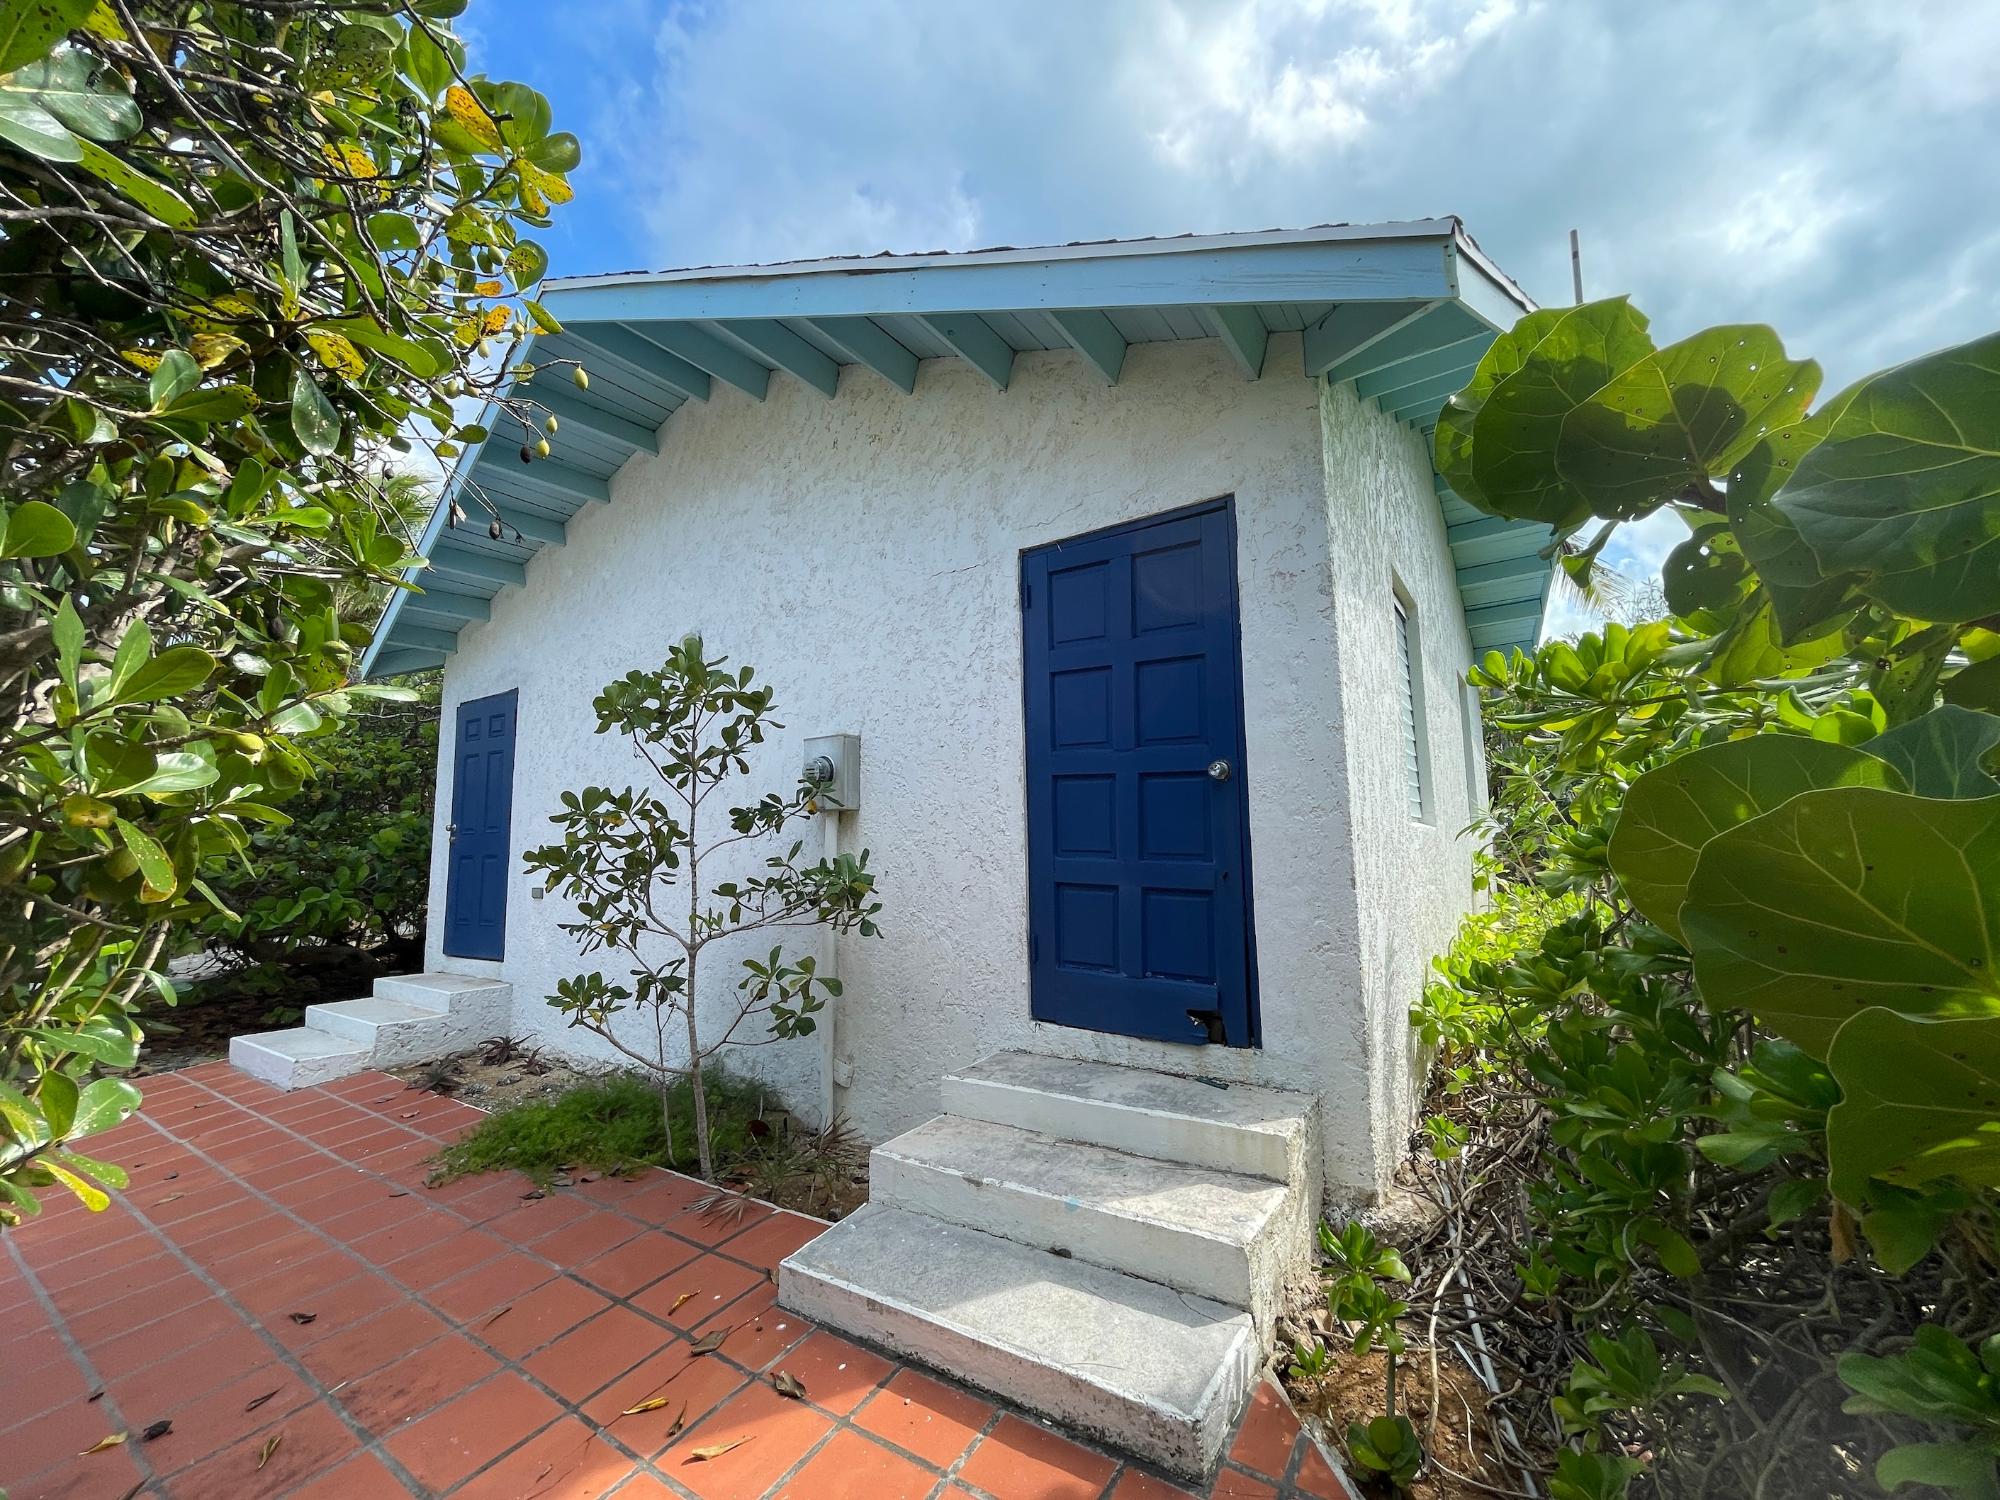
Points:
[[1671, 812], [1679, 415], [1940, 754], [1903, 487], [1844, 898], [1920, 1100]]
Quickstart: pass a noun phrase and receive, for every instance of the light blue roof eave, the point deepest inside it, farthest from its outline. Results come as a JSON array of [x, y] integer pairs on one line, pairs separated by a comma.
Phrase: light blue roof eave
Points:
[[1404, 310]]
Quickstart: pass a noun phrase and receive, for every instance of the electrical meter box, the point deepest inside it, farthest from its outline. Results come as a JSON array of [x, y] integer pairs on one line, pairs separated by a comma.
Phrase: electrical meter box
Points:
[[833, 762]]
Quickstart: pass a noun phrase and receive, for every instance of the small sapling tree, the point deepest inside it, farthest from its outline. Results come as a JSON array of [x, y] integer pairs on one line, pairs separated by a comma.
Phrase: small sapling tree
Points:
[[636, 864]]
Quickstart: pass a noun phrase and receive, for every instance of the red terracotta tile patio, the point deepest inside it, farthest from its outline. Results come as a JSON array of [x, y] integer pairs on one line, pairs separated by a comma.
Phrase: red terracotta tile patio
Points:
[[470, 1342]]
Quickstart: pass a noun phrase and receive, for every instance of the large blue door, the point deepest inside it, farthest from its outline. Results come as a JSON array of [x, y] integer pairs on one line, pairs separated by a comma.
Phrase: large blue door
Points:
[[482, 807], [1138, 893]]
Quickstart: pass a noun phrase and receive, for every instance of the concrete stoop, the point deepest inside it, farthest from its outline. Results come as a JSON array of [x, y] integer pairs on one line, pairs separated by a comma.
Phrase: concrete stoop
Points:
[[1104, 1246], [411, 1018]]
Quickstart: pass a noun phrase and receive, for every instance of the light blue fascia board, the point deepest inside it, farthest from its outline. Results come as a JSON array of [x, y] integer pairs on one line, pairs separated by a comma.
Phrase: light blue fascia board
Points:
[[619, 431], [703, 349], [1485, 293], [622, 347], [1491, 583], [974, 340], [1397, 269], [1092, 335], [450, 561], [1426, 397], [867, 344], [443, 603], [545, 477], [1460, 358], [1354, 327], [395, 660], [1494, 539], [424, 638], [1518, 619], [1243, 334], [785, 349], [1443, 325]]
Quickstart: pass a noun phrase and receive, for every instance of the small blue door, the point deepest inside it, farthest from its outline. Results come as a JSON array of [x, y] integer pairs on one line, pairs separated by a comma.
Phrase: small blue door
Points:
[[482, 807], [1138, 899]]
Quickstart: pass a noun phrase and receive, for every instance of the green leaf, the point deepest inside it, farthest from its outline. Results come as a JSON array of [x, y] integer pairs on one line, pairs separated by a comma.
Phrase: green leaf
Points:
[[313, 416], [1920, 1100], [84, 94], [104, 1103], [1966, 1470], [1506, 354], [154, 865], [176, 670], [1804, 599], [148, 192], [1679, 415], [67, 631], [1516, 434], [58, 1098], [1939, 754], [1904, 486], [36, 529], [26, 124], [216, 403], [30, 28], [101, 1040], [1846, 898], [1671, 812], [176, 374], [173, 771]]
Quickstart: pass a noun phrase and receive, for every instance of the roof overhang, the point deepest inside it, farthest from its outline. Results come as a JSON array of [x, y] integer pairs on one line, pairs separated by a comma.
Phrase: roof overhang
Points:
[[1404, 311]]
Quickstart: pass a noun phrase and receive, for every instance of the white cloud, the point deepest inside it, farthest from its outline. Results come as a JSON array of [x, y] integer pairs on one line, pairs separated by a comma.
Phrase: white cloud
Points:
[[1825, 168]]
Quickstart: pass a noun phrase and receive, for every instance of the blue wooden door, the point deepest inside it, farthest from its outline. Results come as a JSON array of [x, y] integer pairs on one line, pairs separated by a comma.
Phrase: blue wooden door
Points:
[[1138, 872], [482, 808]]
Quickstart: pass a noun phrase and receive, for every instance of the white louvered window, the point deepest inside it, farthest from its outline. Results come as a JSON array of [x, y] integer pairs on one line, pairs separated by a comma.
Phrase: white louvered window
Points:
[[1413, 758]]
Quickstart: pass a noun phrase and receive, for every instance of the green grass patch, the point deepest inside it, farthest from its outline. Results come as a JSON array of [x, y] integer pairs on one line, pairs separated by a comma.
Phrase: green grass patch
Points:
[[609, 1124]]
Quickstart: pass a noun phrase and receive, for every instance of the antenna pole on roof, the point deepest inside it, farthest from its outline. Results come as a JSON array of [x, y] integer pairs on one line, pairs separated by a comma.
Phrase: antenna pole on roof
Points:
[[1576, 267]]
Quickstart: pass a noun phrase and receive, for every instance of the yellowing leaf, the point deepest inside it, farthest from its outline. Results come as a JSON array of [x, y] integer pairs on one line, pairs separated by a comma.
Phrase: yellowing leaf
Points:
[[144, 359], [550, 185], [211, 349], [103, 21], [103, 1443], [350, 159], [681, 1301], [497, 319], [460, 104], [336, 353], [716, 1450], [270, 1447], [488, 288], [651, 1403]]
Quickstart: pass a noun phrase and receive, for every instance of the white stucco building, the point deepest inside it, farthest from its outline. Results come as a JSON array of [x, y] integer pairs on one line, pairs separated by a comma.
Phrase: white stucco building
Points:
[[1122, 572], [1115, 769]]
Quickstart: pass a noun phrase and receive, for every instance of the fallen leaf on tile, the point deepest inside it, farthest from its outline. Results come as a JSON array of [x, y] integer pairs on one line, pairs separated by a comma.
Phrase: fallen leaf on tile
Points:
[[270, 1447], [533, 1193], [682, 1300], [408, 1114], [104, 1442], [400, 1193], [716, 1450], [785, 1383], [303, 1318], [256, 1401], [158, 1429], [709, 1342], [95, 1396], [161, 1203], [498, 1316], [651, 1403], [680, 1421]]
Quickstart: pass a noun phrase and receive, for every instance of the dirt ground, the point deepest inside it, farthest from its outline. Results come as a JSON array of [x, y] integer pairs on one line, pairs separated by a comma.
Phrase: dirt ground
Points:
[[1353, 1392], [485, 1077]]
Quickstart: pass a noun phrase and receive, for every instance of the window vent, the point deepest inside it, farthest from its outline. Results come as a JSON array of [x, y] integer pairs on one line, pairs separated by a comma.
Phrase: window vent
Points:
[[1413, 760]]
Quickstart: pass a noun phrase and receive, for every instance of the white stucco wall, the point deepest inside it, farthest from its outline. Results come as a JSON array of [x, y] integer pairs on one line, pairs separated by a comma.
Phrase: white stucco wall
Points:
[[1413, 879], [863, 554]]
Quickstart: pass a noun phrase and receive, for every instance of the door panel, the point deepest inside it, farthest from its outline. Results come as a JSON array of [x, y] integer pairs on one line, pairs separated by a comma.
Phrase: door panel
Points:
[[1137, 865], [482, 806]]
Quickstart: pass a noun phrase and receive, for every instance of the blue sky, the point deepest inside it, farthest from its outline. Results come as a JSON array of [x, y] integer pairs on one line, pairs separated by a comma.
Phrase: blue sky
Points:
[[1832, 167]]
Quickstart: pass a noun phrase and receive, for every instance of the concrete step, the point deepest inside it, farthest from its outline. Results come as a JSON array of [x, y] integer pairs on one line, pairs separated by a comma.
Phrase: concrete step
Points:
[[450, 992], [297, 1058], [1228, 1236], [1126, 1361], [396, 1033], [1233, 1128]]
